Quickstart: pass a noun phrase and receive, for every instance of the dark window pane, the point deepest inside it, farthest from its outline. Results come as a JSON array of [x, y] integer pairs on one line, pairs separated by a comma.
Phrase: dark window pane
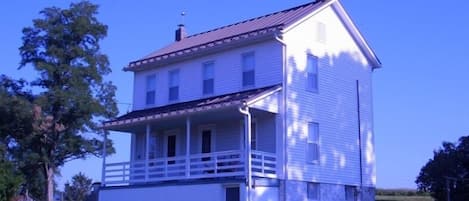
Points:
[[248, 78], [171, 150], [208, 86], [232, 194], [173, 93], [150, 97]]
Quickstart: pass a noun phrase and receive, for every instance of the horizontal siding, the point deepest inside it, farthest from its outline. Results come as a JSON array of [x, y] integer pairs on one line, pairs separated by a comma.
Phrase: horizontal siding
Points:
[[334, 106], [228, 136], [227, 70]]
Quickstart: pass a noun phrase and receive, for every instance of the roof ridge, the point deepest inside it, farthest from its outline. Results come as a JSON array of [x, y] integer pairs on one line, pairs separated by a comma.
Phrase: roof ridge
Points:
[[256, 18]]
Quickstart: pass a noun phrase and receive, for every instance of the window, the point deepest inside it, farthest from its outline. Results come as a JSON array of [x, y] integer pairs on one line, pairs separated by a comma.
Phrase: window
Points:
[[350, 193], [174, 85], [208, 78], [321, 32], [150, 89], [312, 149], [313, 191], [248, 69], [232, 194], [312, 73]]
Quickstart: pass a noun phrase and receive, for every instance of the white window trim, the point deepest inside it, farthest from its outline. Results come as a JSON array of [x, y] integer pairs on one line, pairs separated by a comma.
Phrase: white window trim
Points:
[[203, 77], [308, 87], [309, 141], [212, 128], [242, 70], [147, 89], [178, 85], [168, 133]]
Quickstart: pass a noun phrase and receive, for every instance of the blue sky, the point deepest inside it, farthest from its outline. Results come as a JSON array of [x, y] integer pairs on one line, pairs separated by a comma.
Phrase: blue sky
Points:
[[421, 94]]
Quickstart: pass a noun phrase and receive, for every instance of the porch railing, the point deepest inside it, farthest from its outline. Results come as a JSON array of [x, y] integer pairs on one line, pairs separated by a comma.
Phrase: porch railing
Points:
[[208, 165]]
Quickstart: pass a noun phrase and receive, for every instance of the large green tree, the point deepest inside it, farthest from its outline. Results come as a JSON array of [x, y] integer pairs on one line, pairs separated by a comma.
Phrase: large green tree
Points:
[[448, 170], [79, 189], [72, 99]]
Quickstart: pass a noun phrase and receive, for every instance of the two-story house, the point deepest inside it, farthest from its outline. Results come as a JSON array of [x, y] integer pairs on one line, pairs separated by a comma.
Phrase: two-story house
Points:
[[274, 108]]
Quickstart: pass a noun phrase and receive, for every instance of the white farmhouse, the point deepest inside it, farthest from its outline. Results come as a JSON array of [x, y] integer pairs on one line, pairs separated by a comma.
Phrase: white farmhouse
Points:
[[274, 108]]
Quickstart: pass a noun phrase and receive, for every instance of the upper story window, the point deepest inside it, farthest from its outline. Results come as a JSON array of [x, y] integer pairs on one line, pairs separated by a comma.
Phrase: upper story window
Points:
[[249, 64], [173, 85], [312, 73], [312, 149], [150, 89], [208, 78]]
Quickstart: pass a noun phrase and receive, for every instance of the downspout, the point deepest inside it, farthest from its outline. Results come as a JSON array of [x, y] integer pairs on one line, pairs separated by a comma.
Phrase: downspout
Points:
[[359, 139], [284, 117], [244, 109]]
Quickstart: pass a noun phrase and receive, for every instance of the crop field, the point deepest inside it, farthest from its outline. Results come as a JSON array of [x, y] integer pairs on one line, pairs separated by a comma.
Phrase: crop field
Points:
[[402, 198]]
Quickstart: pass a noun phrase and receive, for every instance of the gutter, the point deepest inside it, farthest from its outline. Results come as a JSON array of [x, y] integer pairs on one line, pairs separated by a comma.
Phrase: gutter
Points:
[[244, 109]]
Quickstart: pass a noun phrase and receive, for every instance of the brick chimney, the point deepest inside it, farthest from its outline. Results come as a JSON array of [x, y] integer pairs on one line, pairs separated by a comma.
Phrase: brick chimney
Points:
[[180, 32]]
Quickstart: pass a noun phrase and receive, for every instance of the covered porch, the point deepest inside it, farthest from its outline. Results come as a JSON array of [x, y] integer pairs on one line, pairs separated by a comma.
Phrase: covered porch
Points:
[[233, 137]]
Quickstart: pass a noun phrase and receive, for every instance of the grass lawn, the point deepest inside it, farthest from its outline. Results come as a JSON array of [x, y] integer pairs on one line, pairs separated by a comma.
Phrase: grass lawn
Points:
[[403, 198]]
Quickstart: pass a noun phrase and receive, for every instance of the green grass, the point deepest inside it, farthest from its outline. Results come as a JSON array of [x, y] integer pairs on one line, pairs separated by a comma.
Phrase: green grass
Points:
[[403, 198]]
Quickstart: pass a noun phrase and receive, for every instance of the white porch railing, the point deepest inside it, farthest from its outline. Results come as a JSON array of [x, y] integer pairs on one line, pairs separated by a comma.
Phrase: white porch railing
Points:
[[209, 165]]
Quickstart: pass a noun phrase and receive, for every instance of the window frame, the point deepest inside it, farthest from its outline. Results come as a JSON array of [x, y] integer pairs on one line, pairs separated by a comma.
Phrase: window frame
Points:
[[312, 73], [247, 69], [150, 89], [353, 190], [173, 84], [317, 188], [313, 141], [205, 66]]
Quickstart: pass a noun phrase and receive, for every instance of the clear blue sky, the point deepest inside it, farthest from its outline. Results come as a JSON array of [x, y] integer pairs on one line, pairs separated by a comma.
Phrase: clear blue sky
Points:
[[421, 94]]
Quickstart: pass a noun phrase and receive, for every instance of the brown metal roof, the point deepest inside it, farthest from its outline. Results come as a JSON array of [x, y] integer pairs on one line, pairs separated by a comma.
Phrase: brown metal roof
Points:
[[260, 25], [233, 99]]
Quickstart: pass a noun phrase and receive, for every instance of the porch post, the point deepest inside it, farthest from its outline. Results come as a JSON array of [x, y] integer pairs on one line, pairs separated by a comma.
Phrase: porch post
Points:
[[188, 145], [147, 150], [103, 171]]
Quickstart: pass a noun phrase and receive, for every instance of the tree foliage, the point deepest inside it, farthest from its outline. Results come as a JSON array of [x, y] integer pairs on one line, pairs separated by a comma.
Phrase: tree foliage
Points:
[[59, 123], [450, 164], [79, 189]]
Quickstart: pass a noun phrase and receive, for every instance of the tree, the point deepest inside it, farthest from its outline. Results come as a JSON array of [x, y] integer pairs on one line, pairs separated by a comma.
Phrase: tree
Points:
[[80, 188], [448, 170], [10, 179], [61, 121]]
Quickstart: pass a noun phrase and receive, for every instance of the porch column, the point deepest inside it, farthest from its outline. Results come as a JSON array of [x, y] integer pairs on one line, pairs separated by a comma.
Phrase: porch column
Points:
[[103, 171], [147, 150], [188, 146]]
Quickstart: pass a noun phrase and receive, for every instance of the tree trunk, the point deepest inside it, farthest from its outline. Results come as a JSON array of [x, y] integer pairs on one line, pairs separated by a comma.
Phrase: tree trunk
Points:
[[49, 190]]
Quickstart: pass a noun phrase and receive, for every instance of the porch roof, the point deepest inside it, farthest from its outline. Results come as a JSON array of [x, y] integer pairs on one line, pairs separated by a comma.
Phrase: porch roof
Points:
[[200, 105]]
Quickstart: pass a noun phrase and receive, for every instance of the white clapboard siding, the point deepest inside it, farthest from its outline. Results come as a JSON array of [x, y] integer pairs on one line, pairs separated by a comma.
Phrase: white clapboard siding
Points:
[[227, 70], [334, 106]]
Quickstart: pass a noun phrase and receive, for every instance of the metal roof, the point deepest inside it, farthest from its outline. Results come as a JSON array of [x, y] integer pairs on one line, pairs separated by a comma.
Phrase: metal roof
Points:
[[252, 27], [226, 100]]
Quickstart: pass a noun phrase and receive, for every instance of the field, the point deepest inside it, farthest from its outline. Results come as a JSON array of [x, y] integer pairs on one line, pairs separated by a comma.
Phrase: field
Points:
[[402, 198]]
